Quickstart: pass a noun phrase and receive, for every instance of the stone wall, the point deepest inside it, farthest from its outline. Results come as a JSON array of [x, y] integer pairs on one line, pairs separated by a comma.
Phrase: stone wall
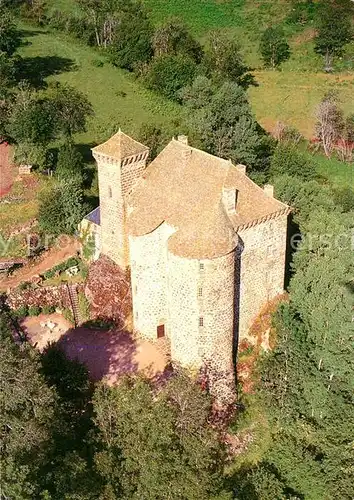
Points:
[[115, 180], [113, 234], [262, 268], [56, 296], [149, 275], [201, 307]]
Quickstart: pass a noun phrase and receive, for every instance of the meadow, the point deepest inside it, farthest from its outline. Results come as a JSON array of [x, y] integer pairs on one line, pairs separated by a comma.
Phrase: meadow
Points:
[[117, 97]]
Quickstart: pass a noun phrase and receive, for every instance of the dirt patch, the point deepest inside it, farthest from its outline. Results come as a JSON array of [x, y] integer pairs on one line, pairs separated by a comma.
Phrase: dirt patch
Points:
[[6, 169], [49, 259], [108, 354]]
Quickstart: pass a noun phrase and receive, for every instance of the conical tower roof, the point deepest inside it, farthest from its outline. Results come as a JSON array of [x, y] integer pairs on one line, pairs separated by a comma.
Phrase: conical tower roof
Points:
[[120, 146]]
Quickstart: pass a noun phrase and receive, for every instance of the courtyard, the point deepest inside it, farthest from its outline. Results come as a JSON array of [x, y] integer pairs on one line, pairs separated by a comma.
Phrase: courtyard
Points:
[[107, 353]]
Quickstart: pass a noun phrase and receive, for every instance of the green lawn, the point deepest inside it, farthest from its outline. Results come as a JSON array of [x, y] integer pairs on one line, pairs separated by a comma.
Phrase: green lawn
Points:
[[119, 100], [338, 173]]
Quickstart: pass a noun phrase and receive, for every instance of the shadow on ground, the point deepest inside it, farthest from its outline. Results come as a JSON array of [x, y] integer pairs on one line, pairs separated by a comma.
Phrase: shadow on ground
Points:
[[36, 69]]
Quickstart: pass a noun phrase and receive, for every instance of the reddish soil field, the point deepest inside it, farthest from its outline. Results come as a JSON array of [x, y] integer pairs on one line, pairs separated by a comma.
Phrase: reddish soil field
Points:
[[6, 169], [107, 354]]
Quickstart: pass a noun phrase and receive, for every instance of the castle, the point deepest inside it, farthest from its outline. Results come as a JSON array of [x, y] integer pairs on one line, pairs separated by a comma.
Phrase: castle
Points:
[[204, 244]]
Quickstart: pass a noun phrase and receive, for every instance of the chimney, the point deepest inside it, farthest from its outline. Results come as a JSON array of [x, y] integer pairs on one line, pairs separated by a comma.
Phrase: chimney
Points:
[[183, 139], [269, 190], [242, 168], [229, 199]]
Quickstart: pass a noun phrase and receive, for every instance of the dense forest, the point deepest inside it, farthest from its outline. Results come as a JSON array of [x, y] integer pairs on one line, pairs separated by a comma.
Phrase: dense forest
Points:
[[64, 437]]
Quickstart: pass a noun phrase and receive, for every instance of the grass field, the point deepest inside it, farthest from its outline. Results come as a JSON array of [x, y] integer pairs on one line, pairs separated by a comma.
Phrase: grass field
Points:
[[118, 99]]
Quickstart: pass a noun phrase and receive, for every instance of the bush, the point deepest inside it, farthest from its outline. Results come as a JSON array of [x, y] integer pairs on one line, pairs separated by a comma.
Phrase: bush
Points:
[[21, 312], [169, 74], [73, 261], [34, 311], [25, 285], [84, 307], [68, 315], [48, 309]]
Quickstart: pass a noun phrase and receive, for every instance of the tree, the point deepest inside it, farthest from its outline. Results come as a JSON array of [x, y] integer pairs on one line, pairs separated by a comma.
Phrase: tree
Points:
[[71, 109], [131, 41], [308, 379], [156, 445], [33, 121], [345, 145], [9, 36], [173, 38], [27, 414], [70, 164], [226, 127], [61, 208], [329, 123], [7, 75], [290, 160], [169, 74], [224, 60], [334, 31], [274, 47]]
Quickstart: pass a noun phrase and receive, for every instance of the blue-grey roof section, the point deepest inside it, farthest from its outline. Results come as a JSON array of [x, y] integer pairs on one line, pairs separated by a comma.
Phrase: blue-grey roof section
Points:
[[94, 216]]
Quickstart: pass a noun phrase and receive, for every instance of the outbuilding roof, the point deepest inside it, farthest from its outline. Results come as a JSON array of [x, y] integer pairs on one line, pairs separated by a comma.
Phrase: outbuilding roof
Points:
[[120, 146], [94, 216], [183, 187]]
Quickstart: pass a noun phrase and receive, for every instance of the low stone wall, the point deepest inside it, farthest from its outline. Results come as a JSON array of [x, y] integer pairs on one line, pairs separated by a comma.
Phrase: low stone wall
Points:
[[56, 296]]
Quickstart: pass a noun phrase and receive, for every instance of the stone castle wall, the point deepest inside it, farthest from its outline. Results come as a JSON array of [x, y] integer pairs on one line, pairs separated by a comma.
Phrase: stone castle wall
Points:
[[148, 260], [183, 308], [201, 313], [262, 268], [113, 239], [115, 180], [132, 171]]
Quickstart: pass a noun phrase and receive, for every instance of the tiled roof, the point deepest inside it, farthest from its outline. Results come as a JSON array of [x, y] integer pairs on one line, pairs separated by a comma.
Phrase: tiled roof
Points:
[[94, 216], [183, 186], [120, 146]]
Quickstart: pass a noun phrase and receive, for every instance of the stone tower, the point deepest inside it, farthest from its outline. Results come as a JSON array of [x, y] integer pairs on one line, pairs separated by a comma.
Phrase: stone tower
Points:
[[120, 162]]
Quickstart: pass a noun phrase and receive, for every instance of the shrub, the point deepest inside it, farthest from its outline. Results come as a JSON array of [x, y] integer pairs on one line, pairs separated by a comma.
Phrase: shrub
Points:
[[48, 309], [84, 307], [68, 315], [25, 285], [73, 261], [34, 311], [22, 311], [98, 63]]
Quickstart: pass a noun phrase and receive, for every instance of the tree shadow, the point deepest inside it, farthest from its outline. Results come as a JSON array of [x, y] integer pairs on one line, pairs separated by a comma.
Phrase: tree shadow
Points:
[[36, 69], [85, 151], [106, 354], [28, 33]]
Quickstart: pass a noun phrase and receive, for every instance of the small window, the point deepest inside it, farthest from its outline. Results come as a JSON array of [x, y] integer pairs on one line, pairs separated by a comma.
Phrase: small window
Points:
[[201, 266], [200, 292], [136, 315], [201, 321], [109, 192], [136, 289], [160, 331]]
